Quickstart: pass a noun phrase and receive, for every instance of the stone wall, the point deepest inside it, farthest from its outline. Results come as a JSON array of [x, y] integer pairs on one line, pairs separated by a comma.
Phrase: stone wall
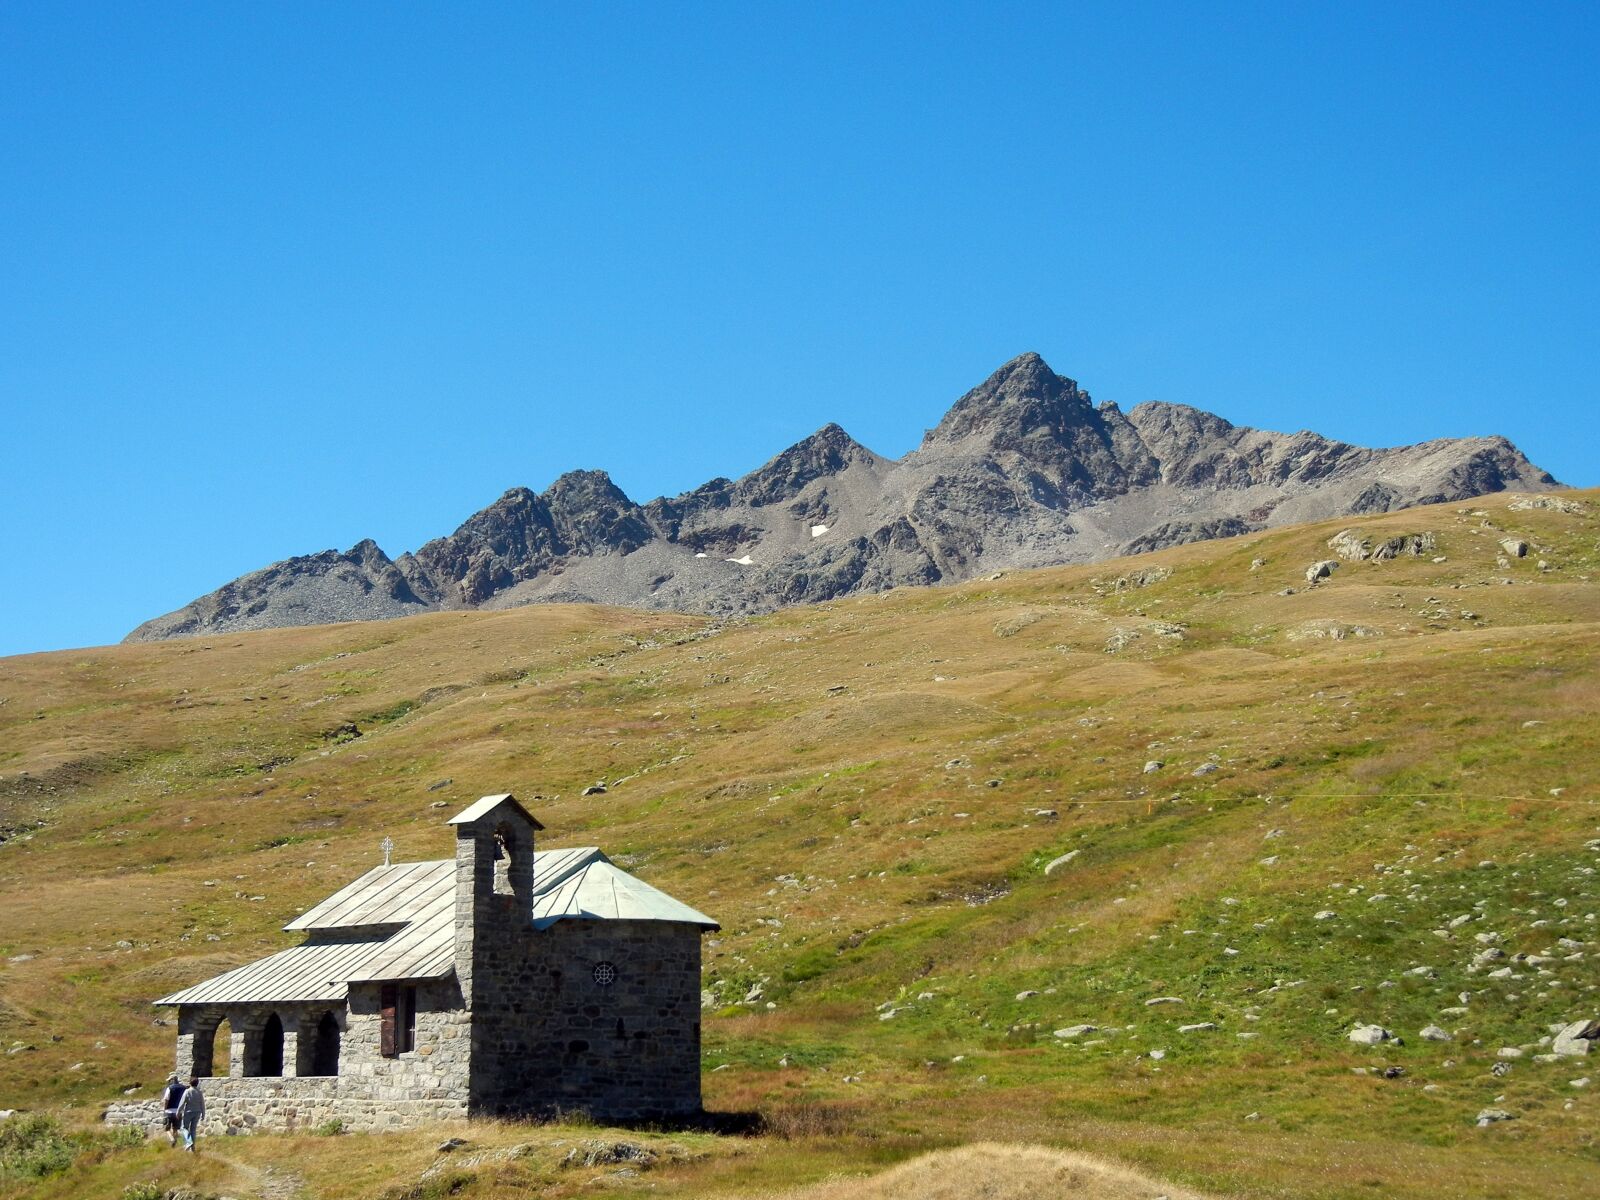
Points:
[[370, 1092], [548, 1036], [143, 1114], [288, 1104]]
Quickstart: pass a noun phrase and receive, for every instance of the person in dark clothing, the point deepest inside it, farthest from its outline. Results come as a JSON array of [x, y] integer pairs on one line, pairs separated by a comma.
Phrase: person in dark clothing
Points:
[[171, 1096]]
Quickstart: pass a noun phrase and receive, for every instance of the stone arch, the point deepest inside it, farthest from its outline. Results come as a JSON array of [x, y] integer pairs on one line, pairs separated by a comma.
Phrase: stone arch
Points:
[[217, 1058], [325, 1045], [270, 1060]]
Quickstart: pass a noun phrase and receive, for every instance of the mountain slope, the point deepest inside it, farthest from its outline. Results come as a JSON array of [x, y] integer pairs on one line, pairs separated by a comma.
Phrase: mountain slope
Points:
[[938, 827], [1023, 471]]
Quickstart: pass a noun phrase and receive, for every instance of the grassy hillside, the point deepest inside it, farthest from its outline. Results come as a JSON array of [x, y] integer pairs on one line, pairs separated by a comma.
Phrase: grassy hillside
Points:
[[1362, 786]]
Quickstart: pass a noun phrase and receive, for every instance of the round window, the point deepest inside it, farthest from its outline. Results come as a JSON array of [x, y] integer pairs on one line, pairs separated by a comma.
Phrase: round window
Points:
[[605, 974]]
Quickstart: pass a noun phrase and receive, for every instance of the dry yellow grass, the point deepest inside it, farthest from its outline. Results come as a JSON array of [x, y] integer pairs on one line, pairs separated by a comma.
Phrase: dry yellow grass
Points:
[[987, 1171]]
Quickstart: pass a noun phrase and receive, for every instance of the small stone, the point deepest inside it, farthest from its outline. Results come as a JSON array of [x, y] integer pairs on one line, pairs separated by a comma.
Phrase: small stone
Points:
[[1073, 1031], [1056, 864], [455, 1143], [1489, 1116], [1153, 766], [1198, 1027], [1433, 1033]]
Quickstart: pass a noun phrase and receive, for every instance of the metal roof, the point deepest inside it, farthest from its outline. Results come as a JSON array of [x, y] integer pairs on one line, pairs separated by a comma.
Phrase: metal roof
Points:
[[383, 896], [599, 889], [485, 806], [310, 972], [398, 922]]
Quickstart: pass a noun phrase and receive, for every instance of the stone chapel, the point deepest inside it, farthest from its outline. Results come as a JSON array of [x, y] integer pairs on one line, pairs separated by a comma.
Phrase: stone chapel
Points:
[[506, 981]]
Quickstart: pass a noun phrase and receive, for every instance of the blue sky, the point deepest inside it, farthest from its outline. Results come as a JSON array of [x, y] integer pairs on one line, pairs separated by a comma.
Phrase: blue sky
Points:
[[275, 278]]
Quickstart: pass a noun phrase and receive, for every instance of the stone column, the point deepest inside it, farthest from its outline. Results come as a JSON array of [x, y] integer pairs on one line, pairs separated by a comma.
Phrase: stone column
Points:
[[292, 1026], [194, 1034], [244, 1048]]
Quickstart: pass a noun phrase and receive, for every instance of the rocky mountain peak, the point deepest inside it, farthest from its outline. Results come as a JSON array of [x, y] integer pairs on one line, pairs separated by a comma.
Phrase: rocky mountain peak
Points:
[[828, 451], [1023, 399], [1023, 471]]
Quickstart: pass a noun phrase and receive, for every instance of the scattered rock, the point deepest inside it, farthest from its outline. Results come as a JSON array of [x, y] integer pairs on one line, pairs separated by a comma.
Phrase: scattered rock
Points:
[[451, 1144], [1073, 1031], [1056, 864], [1198, 1027], [1574, 1039], [1154, 1000], [1321, 570], [1153, 766], [1207, 768], [1326, 914], [1489, 1116], [1370, 1035], [439, 785], [606, 1154], [1432, 1033], [1514, 547], [598, 789], [1555, 503]]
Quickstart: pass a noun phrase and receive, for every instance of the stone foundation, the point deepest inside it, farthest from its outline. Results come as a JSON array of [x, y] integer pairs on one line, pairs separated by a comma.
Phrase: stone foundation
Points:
[[289, 1105], [140, 1114]]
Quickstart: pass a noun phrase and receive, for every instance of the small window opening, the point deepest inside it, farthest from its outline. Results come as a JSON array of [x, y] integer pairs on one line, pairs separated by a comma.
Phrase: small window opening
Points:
[[397, 1020], [505, 847], [605, 973]]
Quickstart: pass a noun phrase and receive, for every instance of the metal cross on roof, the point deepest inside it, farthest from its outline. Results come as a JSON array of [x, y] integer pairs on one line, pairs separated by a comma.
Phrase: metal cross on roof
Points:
[[387, 846]]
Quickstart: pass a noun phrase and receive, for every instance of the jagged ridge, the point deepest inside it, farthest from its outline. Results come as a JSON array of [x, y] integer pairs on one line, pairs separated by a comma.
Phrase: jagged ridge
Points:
[[1024, 470]]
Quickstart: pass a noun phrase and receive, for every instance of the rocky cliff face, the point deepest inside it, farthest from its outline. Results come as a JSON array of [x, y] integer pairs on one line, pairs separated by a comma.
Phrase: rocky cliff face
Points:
[[1023, 471]]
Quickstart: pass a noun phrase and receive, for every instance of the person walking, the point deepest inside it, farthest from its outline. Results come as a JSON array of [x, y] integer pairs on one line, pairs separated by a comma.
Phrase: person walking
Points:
[[191, 1109], [171, 1095]]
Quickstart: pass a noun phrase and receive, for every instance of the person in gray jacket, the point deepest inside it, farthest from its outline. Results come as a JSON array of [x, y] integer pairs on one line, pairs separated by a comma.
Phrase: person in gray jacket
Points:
[[191, 1109]]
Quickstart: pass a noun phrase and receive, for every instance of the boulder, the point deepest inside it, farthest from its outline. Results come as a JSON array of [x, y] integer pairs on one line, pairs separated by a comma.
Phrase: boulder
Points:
[[1370, 1035], [1433, 1033], [1348, 545], [1574, 1039], [1321, 570]]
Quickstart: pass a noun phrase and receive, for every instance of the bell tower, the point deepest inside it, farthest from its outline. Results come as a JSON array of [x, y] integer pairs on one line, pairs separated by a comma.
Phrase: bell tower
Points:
[[494, 884]]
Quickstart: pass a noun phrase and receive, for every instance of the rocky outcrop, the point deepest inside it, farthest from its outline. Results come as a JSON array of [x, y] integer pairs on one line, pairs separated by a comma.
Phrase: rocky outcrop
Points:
[[1024, 470]]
